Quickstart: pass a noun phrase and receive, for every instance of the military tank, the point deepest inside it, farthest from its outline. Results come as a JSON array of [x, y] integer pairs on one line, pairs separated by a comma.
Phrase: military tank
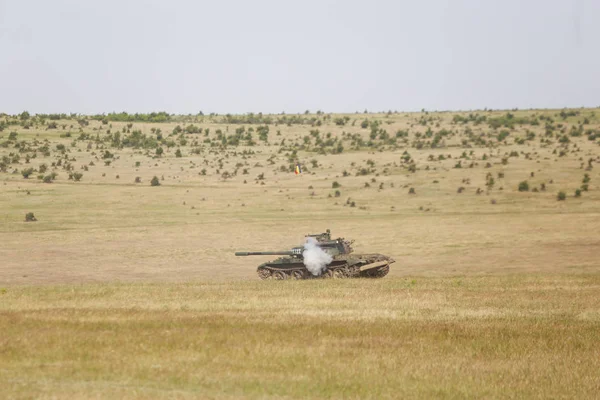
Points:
[[344, 262]]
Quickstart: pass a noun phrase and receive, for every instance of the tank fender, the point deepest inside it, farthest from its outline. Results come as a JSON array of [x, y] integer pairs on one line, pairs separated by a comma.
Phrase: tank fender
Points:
[[373, 265]]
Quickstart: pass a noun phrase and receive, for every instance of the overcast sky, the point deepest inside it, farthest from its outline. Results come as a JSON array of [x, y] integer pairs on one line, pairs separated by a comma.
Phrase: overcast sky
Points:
[[276, 55]]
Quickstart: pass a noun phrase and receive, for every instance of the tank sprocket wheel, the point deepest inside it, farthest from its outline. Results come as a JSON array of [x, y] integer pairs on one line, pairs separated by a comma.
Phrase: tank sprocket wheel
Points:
[[297, 275], [263, 273], [279, 275], [383, 271], [378, 272]]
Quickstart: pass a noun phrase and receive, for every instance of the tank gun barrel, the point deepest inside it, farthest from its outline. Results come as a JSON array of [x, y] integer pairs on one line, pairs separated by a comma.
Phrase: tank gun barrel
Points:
[[265, 253]]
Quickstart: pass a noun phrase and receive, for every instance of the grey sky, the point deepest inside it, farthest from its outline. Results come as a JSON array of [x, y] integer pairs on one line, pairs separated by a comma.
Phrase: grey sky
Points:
[[272, 56]]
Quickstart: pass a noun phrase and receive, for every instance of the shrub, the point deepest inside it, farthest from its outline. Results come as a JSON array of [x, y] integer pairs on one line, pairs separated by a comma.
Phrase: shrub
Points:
[[412, 191], [561, 196], [47, 179], [26, 172], [502, 135], [523, 186], [29, 217], [178, 153], [155, 181], [12, 136], [159, 151], [586, 178], [338, 193], [77, 176], [578, 193], [335, 185], [138, 179]]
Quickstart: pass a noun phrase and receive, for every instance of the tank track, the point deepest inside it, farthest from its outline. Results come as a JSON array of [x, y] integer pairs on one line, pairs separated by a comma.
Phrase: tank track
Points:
[[343, 271]]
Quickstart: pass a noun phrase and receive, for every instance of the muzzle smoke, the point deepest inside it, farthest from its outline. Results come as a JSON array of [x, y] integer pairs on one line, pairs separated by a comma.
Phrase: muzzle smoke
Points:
[[315, 259]]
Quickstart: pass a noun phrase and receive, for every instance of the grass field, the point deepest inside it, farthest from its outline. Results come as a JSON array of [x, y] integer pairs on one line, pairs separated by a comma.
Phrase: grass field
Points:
[[122, 289], [525, 336]]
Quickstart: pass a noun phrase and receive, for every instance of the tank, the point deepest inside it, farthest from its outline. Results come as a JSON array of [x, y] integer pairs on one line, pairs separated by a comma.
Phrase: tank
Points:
[[341, 263]]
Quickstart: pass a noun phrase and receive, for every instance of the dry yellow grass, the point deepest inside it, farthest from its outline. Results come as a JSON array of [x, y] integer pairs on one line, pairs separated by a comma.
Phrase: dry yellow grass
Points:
[[126, 290], [500, 337]]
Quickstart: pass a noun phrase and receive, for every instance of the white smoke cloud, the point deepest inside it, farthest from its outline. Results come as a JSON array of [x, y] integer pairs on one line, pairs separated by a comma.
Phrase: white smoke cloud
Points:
[[315, 259]]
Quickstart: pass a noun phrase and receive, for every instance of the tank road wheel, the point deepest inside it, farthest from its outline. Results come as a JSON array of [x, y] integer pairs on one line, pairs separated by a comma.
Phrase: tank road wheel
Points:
[[263, 273], [354, 272], [339, 273], [279, 275], [297, 275]]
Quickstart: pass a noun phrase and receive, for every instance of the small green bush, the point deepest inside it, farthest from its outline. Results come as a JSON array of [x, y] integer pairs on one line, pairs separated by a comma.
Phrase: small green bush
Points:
[[29, 217], [586, 178], [523, 186], [26, 172], [155, 182], [335, 185], [578, 193], [561, 196]]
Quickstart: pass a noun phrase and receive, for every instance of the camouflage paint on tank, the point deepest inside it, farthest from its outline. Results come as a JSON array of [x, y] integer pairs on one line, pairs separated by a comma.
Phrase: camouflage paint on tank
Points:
[[345, 263]]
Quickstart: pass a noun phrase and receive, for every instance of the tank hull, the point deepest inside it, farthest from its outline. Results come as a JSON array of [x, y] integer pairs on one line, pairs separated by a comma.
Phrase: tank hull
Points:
[[342, 267]]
